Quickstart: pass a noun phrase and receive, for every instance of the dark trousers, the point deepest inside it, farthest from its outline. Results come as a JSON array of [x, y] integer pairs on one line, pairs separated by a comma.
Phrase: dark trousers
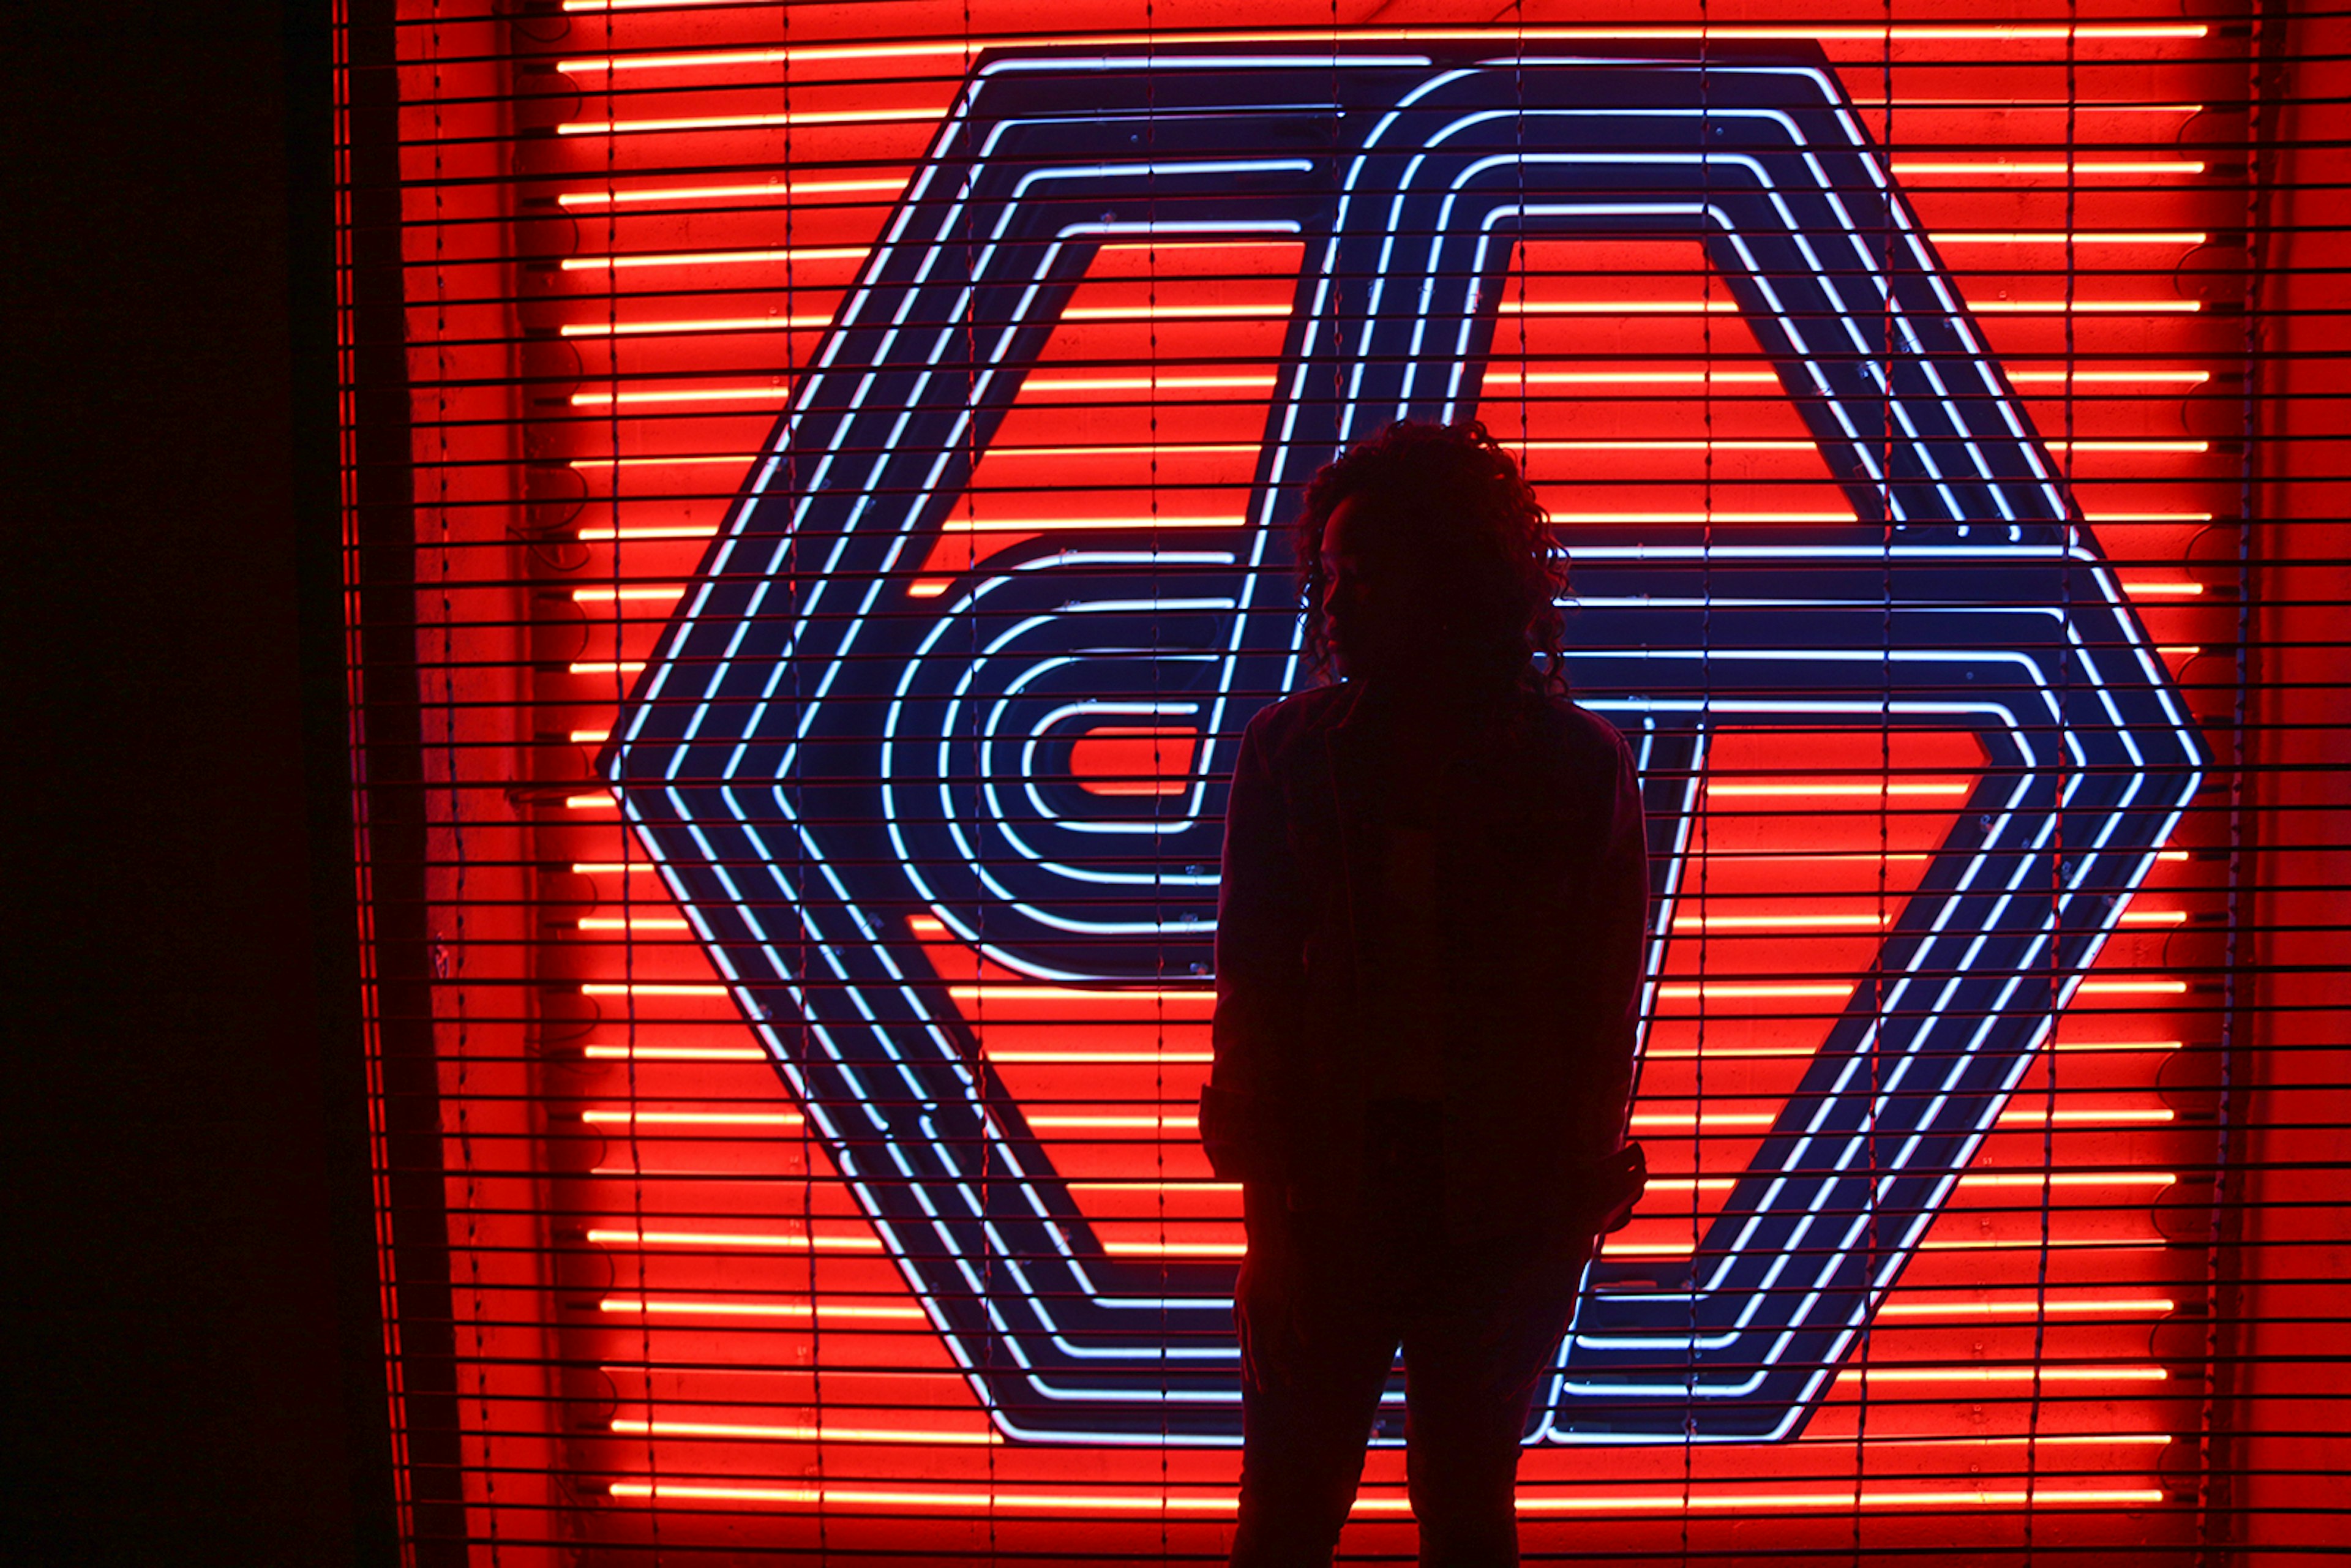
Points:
[[1322, 1307]]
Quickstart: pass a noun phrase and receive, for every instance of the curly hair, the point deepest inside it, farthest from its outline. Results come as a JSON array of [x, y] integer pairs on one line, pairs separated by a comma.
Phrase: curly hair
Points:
[[1474, 527]]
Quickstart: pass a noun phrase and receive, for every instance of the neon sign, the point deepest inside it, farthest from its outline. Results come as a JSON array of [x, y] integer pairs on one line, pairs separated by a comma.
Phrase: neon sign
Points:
[[810, 772]]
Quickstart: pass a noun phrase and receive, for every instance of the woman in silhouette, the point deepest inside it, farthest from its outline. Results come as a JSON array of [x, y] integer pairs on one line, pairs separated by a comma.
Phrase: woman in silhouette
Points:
[[1428, 957]]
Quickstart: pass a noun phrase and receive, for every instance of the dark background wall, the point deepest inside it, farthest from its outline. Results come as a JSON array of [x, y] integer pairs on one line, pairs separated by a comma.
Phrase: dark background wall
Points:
[[188, 1337]]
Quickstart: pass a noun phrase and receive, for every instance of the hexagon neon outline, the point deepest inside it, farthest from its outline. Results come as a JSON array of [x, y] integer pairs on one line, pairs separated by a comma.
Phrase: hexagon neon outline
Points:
[[635, 794]]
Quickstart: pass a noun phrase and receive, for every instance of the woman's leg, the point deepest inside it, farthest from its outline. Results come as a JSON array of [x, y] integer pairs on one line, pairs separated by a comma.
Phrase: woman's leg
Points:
[[1472, 1369], [1314, 1356]]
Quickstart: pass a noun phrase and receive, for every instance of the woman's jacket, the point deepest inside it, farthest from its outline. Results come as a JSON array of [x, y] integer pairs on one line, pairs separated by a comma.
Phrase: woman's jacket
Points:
[[1541, 891]]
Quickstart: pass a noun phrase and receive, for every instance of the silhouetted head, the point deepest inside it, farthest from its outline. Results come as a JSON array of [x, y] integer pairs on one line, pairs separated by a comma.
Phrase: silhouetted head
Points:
[[1424, 556]]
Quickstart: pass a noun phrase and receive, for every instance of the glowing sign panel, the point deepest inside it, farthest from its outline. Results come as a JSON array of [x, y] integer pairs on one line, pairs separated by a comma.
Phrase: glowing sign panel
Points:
[[813, 757]]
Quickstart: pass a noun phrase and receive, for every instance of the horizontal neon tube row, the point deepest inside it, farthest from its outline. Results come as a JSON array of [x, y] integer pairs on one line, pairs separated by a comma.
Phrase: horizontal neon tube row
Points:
[[1170, 1123], [1677, 990], [714, 257], [1501, 378], [936, 586], [1729, 308], [1141, 523], [819, 1433], [753, 121], [1802, 924], [2040, 1439], [653, 592], [657, 1306], [1788, 925], [1559, 518], [1992, 168], [741, 459], [788, 1312], [1097, 1057], [1967, 1182], [2131, 1306], [1873, 789], [1724, 1122], [674, 1054], [1193, 995], [932, 586], [1805, 924], [1274, 309], [725, 192], [638, 868], [1495, 381], [711, 324], [801, 1310], [778, 194], [1211, 449], [965, 49], [1175, 1249], [1132, 523], [692, 1118], [2048, 166], [1760, 1052], [729, 1239], [1994, 1374], [843, 1494], [1617, 1246], [2154, 1115], [1646, 1120], [1200, 996]]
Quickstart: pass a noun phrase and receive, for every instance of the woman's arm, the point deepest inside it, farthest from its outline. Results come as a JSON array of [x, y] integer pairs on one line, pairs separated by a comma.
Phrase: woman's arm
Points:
[[1261, 968], [1620, 932]]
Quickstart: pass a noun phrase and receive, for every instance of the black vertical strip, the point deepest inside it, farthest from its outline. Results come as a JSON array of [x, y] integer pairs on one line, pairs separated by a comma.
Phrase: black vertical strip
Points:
[[327, 764], [387, 765]]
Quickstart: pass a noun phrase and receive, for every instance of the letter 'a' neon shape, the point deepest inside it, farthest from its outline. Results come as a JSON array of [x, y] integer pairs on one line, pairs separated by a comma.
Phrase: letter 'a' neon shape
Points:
[[811, 762]]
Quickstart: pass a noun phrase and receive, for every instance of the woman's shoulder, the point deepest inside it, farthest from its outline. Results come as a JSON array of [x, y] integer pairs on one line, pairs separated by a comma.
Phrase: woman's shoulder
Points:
[[1278, 726], [1575, 736]]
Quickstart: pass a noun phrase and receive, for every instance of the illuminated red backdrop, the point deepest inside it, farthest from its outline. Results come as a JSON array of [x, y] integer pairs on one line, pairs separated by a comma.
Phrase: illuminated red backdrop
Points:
[[636, 1304]]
